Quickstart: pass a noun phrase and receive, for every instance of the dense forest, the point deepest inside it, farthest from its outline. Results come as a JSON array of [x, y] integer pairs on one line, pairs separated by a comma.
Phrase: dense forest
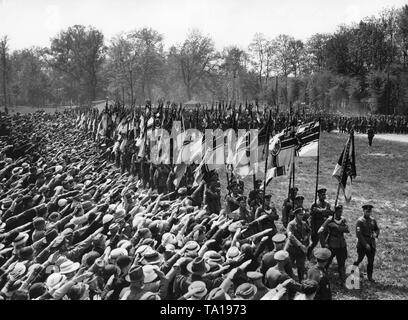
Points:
[[359, 68]]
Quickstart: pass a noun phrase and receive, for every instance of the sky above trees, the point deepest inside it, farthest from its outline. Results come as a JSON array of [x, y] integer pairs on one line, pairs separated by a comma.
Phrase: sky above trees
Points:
[[228, 22]]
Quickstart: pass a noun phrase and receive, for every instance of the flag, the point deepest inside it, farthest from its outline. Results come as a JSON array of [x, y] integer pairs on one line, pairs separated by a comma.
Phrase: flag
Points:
[[150, 126], [191, 149], [202, 170], [282, 151], [345, 170], [179, 171], [241, 161], [308, 136]]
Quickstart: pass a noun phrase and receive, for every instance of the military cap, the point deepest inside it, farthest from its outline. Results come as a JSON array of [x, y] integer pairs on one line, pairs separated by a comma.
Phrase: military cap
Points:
[[367, 207], [322, 254], [301, 198], [254, 275], [279, 238], [294, 189], [322, 191], [338, 208], [298, 210], [268, 196], [258, 181]]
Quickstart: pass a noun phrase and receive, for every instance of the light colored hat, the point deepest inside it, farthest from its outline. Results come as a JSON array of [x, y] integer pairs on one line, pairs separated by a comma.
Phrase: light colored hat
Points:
[[58, 168], [117, 252], [124, 244], [200, 287], [168, 238], [21, 239], [192, 247], [25, 165], [54, 280], [213, 256], [233, 227], [17, 170], [69, 266], [281, 255], [62, 202], [233, 253], [137, 220], [149, 274], [18, 270], [141, 249], [107, 218]]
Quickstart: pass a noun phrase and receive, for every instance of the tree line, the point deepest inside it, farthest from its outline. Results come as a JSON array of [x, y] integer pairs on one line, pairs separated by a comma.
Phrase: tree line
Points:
[[362, 66]]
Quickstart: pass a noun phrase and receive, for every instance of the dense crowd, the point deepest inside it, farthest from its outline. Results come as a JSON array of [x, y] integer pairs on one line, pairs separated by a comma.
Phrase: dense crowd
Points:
[[82, 217]]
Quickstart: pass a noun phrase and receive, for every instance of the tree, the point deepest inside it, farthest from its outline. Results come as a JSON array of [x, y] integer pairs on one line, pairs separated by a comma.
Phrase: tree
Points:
[[147, 45], [260, 53], [284, 59], [4, 58], [119, 66], [79, 52], [297, 55], [233, 67], [195, 59], [30, 81]]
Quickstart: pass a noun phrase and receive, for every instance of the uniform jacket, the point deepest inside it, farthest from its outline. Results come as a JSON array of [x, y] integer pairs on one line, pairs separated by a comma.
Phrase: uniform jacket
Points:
[[366, 229]]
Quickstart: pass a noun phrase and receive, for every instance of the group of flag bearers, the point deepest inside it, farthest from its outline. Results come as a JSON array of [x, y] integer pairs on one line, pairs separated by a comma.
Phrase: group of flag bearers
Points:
[[127, 140]]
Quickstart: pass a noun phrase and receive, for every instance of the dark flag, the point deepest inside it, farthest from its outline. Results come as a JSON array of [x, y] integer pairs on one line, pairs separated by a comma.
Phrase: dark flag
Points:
[[345, 170]]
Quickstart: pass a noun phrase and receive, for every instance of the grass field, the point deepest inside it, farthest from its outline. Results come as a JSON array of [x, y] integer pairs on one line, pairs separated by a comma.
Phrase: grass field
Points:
[[382, 179]]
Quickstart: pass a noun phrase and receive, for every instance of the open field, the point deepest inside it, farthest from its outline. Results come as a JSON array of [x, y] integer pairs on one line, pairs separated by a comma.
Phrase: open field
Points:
[[382, 179]]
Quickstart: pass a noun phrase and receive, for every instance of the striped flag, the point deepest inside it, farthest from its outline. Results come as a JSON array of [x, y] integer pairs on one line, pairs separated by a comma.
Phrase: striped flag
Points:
[[308, 136], [241, 161], [345, 170], [282, 151]]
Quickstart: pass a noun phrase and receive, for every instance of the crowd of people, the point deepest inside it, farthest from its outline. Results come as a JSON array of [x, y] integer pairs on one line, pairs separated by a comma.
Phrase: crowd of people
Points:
[[83, 217]]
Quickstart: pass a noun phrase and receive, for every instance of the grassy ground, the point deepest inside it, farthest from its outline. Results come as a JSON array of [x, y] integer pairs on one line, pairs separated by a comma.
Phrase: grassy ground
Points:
[[382, 179]]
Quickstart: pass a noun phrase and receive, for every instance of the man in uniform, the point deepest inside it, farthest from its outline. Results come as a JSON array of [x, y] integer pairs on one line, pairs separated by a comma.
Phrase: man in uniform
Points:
[[336, 227], [370, 134], [232, 197], [318, 273], [367, 230], [319, 212], [254, 196], [213, 198], [288, 206], [298, 234]]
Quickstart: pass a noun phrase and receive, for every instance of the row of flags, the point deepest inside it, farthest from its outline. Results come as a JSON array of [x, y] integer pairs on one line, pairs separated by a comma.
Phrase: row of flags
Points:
[[295, 141]]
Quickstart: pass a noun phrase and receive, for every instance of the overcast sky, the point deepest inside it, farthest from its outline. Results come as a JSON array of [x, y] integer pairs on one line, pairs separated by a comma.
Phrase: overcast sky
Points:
[[228, 22]]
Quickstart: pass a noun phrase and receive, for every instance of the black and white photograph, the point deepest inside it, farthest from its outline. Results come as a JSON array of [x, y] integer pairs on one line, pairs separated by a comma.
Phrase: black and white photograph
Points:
[[203, 150]]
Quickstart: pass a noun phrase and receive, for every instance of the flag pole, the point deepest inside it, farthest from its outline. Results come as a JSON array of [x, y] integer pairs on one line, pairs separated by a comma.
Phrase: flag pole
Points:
[[267, 156], [293, 164], [318, 164]]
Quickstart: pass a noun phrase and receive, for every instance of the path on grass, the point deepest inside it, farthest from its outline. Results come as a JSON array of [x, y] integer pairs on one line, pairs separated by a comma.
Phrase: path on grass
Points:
[[386, 136]]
